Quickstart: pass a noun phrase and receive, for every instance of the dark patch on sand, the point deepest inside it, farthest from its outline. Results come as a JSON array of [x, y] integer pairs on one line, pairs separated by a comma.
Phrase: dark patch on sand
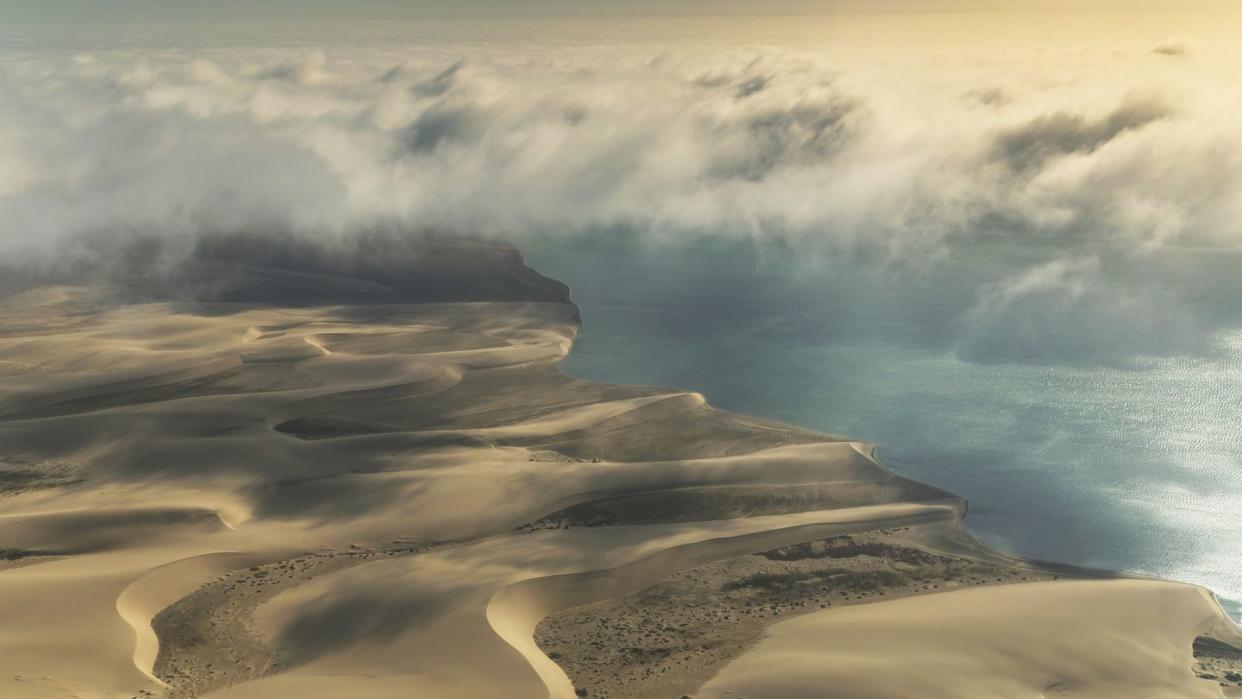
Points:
[[670, 638], [1218, 661]]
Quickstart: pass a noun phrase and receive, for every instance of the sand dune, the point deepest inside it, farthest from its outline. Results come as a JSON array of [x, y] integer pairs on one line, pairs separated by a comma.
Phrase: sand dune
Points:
[[950, 645], [217, 494]]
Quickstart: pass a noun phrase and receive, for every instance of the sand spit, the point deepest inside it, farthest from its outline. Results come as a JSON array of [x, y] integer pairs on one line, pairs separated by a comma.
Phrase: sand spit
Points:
[[223, 494]]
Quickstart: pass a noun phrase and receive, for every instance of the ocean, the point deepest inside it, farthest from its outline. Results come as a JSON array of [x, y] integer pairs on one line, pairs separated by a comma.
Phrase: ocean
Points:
[[1130, 466]]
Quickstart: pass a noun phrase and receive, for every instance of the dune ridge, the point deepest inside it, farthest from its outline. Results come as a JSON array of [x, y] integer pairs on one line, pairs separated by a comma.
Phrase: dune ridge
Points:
[[221, 493]]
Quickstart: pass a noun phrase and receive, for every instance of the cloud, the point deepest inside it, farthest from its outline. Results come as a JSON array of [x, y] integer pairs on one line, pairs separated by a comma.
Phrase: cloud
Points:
[[441, 126], [1172, 48], [441, 82], [752, 85], [1030, 144], [1069, 311], [1077, 175], [306, 70], [987, 96]]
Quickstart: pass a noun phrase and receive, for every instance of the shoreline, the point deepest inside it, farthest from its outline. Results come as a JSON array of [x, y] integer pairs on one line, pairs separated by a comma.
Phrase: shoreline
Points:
[[869, 451], [383, 499], [1230, 607]]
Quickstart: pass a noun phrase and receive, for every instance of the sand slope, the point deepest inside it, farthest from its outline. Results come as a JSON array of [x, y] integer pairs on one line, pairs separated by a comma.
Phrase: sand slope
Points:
[[237, 498], [1122, 639]]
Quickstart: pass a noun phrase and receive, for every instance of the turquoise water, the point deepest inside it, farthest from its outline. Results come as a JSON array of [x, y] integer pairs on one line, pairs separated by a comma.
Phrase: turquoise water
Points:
[[1130, 468]]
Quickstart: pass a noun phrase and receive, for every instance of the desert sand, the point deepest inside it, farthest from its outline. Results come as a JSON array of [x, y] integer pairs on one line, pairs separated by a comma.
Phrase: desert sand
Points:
[[284, 487]]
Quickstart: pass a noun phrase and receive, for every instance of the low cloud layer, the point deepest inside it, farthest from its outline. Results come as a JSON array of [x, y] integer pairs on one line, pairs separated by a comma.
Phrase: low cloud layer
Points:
[[1089, 209], [1031, 145]]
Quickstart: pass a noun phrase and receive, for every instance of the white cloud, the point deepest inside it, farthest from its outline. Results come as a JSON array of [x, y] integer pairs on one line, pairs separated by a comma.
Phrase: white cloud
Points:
[[902, 163]]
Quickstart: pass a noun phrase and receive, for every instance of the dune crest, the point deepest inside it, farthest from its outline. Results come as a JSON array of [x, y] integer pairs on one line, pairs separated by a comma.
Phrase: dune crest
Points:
[[220, 493]]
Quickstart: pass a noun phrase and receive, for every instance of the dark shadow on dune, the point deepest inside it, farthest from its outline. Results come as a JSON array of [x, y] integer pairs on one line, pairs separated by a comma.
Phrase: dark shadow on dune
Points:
[[216, 378], [346, 616], [483, 398], [86, 531], [722, 502], [332, 497]]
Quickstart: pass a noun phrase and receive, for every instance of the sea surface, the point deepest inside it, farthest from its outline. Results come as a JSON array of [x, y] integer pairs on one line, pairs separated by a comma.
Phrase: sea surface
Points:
[[1134, 468]]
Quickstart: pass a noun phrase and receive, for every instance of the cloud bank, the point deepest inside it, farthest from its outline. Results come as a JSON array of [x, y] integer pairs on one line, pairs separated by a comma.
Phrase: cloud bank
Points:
[[1087, 208]]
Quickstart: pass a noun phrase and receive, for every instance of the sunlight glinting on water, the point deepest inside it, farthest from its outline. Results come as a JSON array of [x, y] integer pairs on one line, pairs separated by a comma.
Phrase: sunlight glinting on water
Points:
[[1130, 468]]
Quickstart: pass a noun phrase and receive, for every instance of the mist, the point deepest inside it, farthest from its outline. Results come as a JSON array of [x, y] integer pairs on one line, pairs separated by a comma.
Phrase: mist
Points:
[[1068, 202]]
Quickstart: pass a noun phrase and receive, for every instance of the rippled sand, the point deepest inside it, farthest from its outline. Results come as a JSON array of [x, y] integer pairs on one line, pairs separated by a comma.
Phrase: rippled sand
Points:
[[249, 499]]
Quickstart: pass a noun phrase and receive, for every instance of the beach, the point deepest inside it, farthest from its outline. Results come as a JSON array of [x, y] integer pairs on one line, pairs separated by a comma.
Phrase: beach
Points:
[[389, 489]]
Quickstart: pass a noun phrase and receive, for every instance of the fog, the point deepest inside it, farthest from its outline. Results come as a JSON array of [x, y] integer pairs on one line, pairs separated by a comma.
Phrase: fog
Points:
[[1070, 200]]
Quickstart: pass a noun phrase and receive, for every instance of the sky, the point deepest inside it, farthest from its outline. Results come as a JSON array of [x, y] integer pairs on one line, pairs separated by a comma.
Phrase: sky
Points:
[[312, 10]]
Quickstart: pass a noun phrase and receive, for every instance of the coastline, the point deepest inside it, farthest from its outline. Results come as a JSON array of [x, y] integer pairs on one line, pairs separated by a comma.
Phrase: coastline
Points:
[[1042, 451], [871, 453], [383, 499]]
